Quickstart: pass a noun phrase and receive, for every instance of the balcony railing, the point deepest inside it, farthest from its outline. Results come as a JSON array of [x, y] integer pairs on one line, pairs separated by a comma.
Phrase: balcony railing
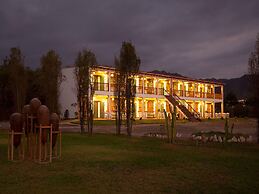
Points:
[[210, 95], [189, 93], [149, 90], [156, 91], [152, 90], [218, 96], [139, 89], [199, 94], [101, 86], [160, 91], [178, 93]]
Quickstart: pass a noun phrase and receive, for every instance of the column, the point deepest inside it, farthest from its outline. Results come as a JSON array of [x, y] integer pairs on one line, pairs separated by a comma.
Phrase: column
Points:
[[143, 108], [137, 107], [109, 81], [183, 89], [203, 109], [143, 86], [194, 89], [171, 86], [213, 112], [205, 91], [109, 106], [213, 91]]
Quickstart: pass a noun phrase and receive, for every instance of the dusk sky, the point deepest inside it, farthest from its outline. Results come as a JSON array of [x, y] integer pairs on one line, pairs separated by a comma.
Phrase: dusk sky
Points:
[[201, 39]]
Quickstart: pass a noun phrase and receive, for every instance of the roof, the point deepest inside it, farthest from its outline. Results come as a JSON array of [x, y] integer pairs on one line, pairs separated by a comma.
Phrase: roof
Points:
[[159, 75]]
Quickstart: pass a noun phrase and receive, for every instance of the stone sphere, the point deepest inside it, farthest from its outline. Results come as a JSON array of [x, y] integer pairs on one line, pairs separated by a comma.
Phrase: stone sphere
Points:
[[43, 119], [16, 125], [35, 103]]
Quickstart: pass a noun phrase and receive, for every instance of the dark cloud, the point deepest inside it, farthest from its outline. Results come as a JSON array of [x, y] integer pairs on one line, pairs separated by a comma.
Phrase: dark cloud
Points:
[[195, 38]]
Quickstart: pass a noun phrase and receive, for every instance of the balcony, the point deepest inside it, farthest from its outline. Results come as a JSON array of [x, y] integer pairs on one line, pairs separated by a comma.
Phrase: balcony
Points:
[[178, 93], [210, 95], [101, 86], [218, 96], [139, 89], [199, 94], [160, 91], [156, 91], [189, 94], [149, 90]]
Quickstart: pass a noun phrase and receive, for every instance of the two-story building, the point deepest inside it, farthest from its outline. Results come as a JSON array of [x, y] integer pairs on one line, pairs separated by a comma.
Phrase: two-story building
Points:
[[154, 93]]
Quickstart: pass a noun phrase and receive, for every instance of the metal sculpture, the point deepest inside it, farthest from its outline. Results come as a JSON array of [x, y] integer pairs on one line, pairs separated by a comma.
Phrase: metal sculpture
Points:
[[35, 103], [43, 120], [15, 136], [54, 120], [26, 113], [40, 129]]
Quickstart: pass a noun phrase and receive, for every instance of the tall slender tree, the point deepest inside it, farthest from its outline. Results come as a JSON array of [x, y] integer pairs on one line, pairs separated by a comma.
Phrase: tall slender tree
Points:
[[84, 62], [120, 100], [6, 96], [253, 65], [17, 77], [51, 78], [126, 68]]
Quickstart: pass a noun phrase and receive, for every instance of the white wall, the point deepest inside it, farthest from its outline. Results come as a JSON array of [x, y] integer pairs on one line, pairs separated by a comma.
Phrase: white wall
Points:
[[68, 92]]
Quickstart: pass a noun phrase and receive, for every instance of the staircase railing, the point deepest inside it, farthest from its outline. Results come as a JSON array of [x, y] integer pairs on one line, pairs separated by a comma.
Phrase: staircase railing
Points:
[[195, 113]]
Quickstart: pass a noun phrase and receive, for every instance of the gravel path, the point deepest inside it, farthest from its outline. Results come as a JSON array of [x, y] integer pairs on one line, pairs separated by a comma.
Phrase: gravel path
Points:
[[184, 129]]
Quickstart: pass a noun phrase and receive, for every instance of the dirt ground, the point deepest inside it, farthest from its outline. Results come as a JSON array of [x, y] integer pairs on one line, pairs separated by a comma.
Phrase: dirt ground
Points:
[[184, 129]]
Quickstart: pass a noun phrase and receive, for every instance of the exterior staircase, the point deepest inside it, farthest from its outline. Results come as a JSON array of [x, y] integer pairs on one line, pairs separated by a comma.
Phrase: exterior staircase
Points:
[[176, 101]]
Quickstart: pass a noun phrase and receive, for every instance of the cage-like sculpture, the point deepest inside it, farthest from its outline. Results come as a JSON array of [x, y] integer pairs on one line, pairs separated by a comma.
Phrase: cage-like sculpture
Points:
[[16, 137], [41, 131], [56, 135]]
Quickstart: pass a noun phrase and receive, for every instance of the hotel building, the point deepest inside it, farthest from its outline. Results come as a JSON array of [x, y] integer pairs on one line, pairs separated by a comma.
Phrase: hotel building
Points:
[[194, 98]]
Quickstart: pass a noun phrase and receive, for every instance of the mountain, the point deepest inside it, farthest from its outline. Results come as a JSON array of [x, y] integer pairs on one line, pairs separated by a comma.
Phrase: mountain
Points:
[[166, 73], [239, 86]]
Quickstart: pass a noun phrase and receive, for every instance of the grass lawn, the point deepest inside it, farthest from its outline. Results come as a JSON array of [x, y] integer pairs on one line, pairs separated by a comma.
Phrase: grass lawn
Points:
[[110, 164]]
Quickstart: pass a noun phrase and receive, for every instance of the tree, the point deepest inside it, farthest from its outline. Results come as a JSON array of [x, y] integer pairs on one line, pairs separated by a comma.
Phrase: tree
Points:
[[34, 85], [230, 102], [120, 83], [253, 65], [6, 97], [17, 77], [83, 65], [231, 99], [51, 78], [127, 66]]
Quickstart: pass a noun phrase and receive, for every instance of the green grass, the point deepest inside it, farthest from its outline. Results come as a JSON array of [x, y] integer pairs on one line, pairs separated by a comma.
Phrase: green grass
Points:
[[111, 164]]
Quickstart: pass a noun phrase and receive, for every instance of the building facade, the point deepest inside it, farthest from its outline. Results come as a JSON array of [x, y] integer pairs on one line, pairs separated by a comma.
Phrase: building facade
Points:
[[154, 93]]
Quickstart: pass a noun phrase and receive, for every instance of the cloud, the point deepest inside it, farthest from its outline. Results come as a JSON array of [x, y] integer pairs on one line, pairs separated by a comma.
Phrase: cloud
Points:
[[195, 38]]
